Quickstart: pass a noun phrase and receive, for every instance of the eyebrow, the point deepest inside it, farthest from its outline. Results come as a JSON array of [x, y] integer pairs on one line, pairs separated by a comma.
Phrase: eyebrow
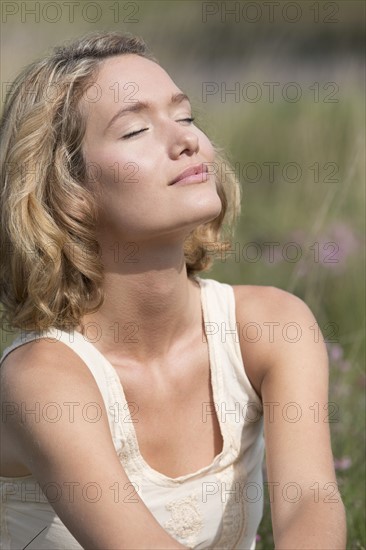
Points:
[[138, 106]]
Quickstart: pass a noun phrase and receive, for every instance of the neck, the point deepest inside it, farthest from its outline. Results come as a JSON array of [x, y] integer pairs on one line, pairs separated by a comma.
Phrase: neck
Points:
[[150, 304]]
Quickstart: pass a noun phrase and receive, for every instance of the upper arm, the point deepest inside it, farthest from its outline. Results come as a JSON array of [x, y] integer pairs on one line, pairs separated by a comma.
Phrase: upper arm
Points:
[[293, 367], [75, 453]]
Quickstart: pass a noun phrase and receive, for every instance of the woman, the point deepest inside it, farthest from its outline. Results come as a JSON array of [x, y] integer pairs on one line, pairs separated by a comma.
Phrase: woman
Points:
[[135, 396]]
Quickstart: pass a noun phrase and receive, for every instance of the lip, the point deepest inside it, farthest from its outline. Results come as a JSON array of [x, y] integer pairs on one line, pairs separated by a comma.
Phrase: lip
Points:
[[194, 174]]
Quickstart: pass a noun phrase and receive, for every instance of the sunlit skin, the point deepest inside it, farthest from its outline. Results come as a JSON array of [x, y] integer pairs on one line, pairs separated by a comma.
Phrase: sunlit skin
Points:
[[137, 205], [137, 202]]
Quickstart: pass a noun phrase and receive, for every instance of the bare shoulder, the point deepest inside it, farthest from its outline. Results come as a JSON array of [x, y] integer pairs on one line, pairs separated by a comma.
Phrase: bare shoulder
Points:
[[40, 366], [268, 300], [43, 382], [268, 320], [46, 370]]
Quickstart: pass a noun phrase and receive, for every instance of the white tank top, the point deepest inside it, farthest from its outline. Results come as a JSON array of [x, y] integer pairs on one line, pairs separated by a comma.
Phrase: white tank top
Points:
[[219, 506]]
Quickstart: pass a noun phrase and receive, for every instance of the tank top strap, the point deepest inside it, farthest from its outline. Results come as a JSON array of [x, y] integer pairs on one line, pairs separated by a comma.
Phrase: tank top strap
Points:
[[220, 307], [222, 332]]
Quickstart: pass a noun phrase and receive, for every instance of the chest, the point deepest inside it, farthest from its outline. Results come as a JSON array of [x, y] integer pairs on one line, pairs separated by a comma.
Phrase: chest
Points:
[[173, 413]]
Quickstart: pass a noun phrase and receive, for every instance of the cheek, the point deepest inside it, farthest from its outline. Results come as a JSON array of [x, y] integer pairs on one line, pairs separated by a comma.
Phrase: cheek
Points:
[[108, 167]]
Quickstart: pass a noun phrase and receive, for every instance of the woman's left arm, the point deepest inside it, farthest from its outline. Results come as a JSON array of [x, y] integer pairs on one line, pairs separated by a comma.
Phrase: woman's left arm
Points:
[[306, 507]]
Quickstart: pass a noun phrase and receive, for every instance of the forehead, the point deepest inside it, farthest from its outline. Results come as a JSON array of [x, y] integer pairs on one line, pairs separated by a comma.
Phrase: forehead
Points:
[[130, 77]]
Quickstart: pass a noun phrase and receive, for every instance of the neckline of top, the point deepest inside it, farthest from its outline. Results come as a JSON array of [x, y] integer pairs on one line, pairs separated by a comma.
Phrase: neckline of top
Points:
[[129, 429]]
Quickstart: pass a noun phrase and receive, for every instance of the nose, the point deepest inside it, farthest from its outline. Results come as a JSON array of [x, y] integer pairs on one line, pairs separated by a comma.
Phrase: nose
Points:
[[183, 141]]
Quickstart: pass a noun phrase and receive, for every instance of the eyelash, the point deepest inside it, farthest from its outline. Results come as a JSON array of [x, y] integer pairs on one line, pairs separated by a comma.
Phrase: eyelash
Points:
[[131, 134]]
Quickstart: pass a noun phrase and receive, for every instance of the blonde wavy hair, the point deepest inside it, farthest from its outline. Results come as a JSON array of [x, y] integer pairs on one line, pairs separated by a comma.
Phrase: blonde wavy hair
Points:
[[51, 272]]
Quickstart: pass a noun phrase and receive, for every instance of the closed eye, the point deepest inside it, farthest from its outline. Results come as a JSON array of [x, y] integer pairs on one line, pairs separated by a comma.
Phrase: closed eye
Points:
[[188, 119], [135, 133]]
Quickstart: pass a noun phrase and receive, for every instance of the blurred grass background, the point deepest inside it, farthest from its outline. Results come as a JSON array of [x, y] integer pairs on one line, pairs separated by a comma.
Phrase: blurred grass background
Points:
[[311, 206]]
